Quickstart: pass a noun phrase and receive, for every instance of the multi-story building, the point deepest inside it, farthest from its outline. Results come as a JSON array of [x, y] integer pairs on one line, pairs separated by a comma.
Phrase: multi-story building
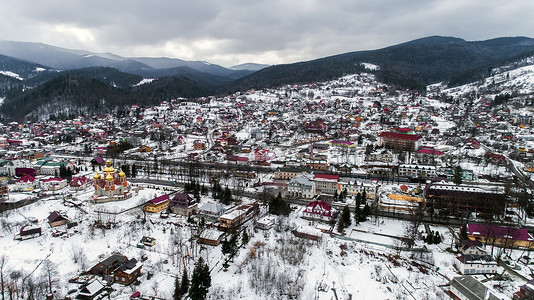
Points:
[[359, 186], [157, 204], [288, 173], [302, 186], [463, 199], [325, 184], [320, 211], [399, 141], [183, 204], [470, 264], [417, 171], [4, 191]]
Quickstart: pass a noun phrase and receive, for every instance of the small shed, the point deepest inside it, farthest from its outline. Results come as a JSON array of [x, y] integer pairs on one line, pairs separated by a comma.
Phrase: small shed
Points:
[[91, 290]]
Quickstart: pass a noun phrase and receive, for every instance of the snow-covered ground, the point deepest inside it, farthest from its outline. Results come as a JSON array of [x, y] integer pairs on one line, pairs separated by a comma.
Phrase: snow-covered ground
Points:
[[363, 264]]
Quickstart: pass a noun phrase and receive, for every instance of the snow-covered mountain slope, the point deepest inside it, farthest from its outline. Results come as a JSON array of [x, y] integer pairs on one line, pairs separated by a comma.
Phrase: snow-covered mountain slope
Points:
[[517, 77]]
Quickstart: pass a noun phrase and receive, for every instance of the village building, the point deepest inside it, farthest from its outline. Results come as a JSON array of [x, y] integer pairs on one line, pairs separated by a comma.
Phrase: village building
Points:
[[211, 237], [26, 183], [79, 183], [157, 204], [288, 173], [526, 291], [325, 184], [354, 187], [399, 141], [400, 203], [53, 184], [470, 264], [301, 186], [467, 287], [500, 235], [464, 199], [147, 241], [127, 272], [183, 204], [109, 265], [91, 290], [4, 190], [319, 211], [111, 186], [211, 211], [56, 219], [417, 171]]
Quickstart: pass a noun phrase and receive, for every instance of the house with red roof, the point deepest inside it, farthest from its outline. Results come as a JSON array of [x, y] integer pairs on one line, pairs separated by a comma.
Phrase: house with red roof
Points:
[[319, 210], [325, 183], [500, 235], [26, 183], [157, 204], [400, 141], [79, 183], [430, 151], [53, 184]]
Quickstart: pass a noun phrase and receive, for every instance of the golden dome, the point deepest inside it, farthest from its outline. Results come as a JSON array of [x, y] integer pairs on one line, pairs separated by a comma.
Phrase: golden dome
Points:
[[122, 174], [97, 176], [109, 169], [108, 162], [109, 177]]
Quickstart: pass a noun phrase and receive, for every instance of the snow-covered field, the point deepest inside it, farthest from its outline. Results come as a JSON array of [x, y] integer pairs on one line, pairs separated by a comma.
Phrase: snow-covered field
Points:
[[274, 264]]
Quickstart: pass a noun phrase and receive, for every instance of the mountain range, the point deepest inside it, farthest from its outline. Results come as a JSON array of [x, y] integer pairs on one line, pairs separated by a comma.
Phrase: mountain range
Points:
[[36, 77]]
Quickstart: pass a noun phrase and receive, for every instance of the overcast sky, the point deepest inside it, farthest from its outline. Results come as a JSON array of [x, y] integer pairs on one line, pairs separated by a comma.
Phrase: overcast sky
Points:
[[271, 32]]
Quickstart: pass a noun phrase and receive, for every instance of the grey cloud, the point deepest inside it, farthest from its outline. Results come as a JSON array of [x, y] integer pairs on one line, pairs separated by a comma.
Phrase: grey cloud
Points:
[[278, 30]]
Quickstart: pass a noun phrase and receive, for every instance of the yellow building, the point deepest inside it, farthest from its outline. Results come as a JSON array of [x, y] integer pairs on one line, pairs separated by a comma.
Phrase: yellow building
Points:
[[157, 204]]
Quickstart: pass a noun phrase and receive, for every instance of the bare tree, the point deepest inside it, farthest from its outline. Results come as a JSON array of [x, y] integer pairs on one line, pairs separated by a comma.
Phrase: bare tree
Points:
[[49, 273], [3, 262], [411, 229]]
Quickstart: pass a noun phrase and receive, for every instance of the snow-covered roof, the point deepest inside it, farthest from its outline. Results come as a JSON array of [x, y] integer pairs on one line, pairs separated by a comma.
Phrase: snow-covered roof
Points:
[[92, 289]]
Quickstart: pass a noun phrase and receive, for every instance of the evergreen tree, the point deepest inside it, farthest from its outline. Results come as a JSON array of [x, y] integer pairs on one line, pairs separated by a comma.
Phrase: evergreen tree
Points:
[[365, 213], [430, 238], [340, 226], [226, 197], [178, 294], [457, 179], [437, 238], [126, 170], [358, 199], [357, 214], [336, 196], [200, 281], [345, 216], [277, 206], [134, 171], [463, 233], [184, 284], [244, 238], [196, 192]]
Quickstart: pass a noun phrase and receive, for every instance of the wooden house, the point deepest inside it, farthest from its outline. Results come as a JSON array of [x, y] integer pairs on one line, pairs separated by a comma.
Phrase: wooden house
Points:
[[56, 219], [108, 265], [128, 272]]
